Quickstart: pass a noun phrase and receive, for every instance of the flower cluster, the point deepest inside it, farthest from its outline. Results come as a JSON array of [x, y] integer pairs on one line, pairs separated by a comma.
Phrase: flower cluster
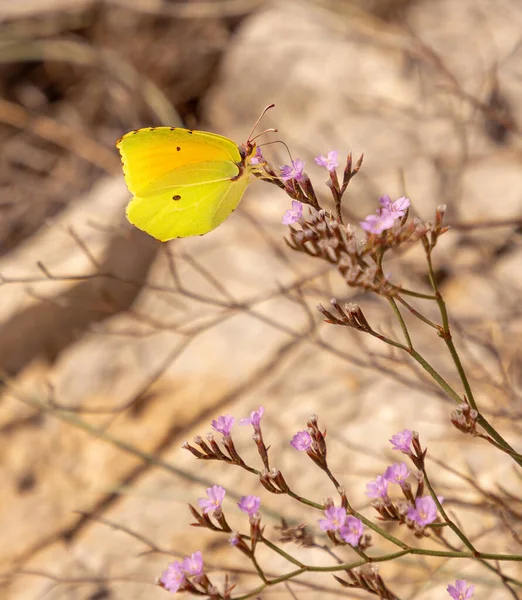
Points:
[[313, 442], [295, 170], [350, 528], [324, 235], [360, 260], [386, 215], [215, 496], [177, 576], [342, 524], [416, 511]]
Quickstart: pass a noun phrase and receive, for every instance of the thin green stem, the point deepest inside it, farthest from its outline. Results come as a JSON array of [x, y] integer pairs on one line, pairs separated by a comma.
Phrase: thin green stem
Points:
[[402, 323], [502, 444], [378, 559], [364, 520], [452, 525], [305, 501], [445, 333], [417, 314], [381, 532], [438, 378], [281, 552], [484, 555], [418, 357], [259, 570], [406, 292], [332, 479], [511, 453], [388, 340]]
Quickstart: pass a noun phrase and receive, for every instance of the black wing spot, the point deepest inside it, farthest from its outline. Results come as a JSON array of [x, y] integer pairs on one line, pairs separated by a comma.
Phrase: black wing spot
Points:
[[190, 131], [178, 148], [173, 129], [176, 197]]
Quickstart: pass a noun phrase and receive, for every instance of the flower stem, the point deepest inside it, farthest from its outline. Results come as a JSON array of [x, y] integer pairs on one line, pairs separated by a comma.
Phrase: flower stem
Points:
[[417, 314], [445, 334], [402, 323], [452, 525]]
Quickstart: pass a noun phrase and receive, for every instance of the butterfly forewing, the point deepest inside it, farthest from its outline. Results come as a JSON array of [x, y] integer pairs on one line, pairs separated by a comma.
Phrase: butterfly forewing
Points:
[[149, 154]]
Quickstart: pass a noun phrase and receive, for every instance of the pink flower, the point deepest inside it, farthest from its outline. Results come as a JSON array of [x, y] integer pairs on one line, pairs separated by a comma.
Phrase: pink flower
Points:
[[397, 473], [377, 488], [173, 577], [335, 519], [293, 171], [223, 424], [254, 419], [396, 209], [302, 440], [402, 441], [386, 215], [215, 494], [258, 157], [330, 161], [352, 530], [193, 565], [293, 214], [249, 504], [425, 511], [378, 223], [461, 590]]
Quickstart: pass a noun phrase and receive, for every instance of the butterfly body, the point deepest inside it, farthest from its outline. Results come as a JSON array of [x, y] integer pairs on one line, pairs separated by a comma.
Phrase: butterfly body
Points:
[[183, 182]]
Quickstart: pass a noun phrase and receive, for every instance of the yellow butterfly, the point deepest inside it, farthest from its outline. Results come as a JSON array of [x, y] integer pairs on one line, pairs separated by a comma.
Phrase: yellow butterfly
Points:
[[184, 182]]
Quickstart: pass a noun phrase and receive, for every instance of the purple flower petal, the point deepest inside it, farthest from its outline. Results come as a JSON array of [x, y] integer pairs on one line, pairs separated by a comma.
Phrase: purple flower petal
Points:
[[461, 590], [254, 419], [258, 158], [397, 473], [402, 441], [330, 161], [377, 223], [425, 511], [293, 171], [293, 214], [301, 440], [335, 519], [223, 424], [400, 206], [215, 494], [249, 504], [173, 577], [377, 488], [351, 532], [193, 565], [397, 209]]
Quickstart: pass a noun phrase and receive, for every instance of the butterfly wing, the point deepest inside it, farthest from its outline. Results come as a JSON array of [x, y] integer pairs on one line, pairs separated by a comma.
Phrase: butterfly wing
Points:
[[149, 154], [190, 200]]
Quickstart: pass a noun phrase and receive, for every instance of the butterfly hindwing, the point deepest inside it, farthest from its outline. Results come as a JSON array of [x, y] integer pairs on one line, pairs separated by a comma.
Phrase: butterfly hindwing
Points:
[[190, 200]]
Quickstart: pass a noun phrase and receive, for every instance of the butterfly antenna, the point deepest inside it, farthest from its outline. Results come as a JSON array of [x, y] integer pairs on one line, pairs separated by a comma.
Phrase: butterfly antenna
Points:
[[277, 142], [271, 130], [257, 122]]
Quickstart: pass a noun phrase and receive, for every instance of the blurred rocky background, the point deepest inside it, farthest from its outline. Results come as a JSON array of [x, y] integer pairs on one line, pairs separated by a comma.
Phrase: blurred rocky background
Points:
[[115, 348]]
